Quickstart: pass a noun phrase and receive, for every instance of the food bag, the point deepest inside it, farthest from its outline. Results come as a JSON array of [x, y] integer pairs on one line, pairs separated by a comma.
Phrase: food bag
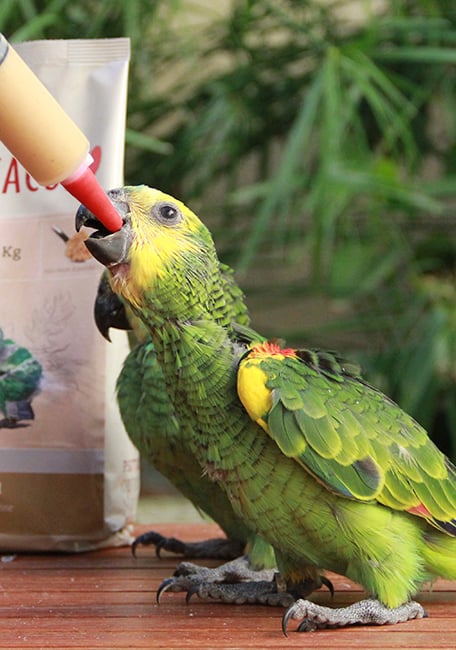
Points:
[[69, 476]]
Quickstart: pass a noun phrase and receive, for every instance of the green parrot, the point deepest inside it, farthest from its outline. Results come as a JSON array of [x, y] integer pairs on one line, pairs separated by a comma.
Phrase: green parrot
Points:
[[324, 467], [152, 425], [150, 421], [20, 375]]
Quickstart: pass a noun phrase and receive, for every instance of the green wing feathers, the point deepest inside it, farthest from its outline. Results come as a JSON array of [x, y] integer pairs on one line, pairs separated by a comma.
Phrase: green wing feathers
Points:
[[348, 435]]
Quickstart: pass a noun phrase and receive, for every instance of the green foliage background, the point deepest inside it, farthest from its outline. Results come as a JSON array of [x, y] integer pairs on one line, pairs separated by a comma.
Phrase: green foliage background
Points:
[[317, 140]]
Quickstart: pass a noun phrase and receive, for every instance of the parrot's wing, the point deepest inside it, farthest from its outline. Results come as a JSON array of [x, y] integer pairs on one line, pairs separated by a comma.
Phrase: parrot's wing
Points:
[[146, 410], [348, 435]]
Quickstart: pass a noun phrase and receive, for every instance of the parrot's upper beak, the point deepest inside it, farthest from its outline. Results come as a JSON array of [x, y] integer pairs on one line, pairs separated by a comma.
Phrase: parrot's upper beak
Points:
[[107, 247], [109, 310]]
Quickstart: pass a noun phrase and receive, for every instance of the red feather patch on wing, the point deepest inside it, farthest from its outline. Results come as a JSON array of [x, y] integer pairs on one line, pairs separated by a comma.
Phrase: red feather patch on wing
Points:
[[448, 526], [420, 510], [269, 348]]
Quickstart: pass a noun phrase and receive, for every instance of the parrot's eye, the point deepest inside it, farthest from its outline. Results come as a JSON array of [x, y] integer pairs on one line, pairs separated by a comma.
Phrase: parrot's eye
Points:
[[167, 213]]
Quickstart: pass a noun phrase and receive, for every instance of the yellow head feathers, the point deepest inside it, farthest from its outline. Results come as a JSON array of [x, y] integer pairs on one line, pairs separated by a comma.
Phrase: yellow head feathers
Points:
[[164, 232]]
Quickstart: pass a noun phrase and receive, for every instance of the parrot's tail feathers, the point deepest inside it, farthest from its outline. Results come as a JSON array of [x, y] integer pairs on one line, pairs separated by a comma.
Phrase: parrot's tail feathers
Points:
[[440, 554]]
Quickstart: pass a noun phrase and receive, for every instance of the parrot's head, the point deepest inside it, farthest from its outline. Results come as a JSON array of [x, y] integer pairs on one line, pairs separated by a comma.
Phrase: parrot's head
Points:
[[163, 257]]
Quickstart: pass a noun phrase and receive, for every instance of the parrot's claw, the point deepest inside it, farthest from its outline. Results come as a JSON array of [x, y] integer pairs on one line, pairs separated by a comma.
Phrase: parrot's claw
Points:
[[328, 584], [160, 542], [234, 583], [365, 612], [165, 585], [217, 548]]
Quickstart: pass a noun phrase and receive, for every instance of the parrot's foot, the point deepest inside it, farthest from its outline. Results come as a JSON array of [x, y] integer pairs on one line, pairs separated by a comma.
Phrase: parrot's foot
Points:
[[233, 582], [217, 548], [365, 612]]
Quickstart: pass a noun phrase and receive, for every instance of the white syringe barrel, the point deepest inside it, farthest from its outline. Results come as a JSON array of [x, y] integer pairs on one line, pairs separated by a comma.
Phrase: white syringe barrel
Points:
[[33, 126]]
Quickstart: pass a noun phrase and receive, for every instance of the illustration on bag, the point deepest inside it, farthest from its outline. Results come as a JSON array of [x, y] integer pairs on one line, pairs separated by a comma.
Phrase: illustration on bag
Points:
[[75, 249], [20, 375]]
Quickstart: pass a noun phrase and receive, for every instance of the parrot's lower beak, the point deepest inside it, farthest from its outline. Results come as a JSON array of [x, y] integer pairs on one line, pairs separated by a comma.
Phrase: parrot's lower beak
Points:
[[109, 248]]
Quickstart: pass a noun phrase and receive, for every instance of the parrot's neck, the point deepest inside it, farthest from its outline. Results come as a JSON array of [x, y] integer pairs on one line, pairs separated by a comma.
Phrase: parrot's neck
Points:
[[191, 330], [200, 297]]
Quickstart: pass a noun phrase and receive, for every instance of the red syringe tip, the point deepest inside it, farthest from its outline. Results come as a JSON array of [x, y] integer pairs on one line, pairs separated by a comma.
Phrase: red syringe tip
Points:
[[88, 191]]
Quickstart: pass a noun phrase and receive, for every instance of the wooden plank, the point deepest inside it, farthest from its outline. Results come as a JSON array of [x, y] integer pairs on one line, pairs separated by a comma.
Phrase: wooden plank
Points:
[[197, 632], [106, 599]]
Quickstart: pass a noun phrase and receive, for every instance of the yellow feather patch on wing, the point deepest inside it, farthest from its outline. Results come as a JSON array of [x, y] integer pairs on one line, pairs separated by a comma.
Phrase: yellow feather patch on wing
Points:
[[253, 393]]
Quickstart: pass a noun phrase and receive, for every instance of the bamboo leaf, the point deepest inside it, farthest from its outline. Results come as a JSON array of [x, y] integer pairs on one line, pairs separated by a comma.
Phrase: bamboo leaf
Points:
[[422, 54], [298, 141], [147, 142]]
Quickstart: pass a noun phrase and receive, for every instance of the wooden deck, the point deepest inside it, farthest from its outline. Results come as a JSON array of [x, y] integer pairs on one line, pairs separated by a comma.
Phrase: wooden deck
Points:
[[106, 599]]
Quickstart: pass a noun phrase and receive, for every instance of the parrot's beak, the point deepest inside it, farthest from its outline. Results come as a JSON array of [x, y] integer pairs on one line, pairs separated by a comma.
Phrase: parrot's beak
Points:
[[109, 310], [109, 248]]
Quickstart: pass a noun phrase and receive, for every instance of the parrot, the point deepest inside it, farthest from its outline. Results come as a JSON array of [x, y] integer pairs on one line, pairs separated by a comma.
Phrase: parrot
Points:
[[320, 464], [20, 375], [151, 423]]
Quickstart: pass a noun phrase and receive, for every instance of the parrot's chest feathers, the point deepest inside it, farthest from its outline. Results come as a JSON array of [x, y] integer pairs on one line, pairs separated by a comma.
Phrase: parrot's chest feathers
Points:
[[199, 366]]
